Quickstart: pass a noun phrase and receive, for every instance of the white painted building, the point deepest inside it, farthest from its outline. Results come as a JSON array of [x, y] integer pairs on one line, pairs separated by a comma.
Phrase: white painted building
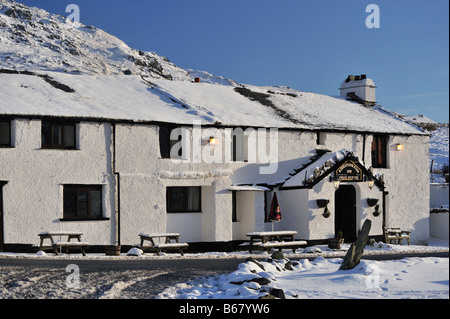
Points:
[[91, 153]]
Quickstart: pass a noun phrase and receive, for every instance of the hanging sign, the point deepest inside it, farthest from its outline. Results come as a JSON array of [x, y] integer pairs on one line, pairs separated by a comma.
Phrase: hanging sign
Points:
[[349, 171]]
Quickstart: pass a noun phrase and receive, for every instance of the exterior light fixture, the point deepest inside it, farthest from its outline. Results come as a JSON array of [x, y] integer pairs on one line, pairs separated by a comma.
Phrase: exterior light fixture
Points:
[[336, 182], [371, 182], [213, 140], [399, 147]]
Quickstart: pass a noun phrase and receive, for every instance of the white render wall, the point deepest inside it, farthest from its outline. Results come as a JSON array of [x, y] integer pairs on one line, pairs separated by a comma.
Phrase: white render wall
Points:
[[407, 181], [33, 196]]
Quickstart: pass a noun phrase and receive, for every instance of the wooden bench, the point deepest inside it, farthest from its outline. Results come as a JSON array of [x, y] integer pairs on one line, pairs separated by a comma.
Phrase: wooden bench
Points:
[[396, 235], [273, 239], [171, 242], [283, 245], [72, 244], [55, 245]]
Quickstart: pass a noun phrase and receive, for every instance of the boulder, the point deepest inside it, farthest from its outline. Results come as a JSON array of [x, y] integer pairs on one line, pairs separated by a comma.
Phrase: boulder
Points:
[[353, 256], [278, 293], [253, 260]]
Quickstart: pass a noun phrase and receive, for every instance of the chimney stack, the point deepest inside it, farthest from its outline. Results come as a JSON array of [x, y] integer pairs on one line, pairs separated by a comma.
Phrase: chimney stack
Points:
[[359, 88]]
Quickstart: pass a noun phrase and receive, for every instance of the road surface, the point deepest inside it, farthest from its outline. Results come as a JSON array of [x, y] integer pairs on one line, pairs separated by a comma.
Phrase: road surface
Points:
[[66, 278]]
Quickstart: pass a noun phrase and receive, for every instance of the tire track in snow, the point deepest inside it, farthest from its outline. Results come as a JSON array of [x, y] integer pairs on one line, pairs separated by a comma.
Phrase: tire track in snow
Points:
[[115, 289]]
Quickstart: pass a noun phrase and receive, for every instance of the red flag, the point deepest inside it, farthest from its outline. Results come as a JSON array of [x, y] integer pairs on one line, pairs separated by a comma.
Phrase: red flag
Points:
[[275, 212]]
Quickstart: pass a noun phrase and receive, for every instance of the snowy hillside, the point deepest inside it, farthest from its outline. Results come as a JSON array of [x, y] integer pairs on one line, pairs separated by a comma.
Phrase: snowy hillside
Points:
[[439, 151], [33, 39], [105, 77], [439, 135]]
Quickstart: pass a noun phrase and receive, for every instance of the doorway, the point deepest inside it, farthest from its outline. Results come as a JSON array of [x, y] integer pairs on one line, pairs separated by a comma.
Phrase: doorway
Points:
[[345, 212]]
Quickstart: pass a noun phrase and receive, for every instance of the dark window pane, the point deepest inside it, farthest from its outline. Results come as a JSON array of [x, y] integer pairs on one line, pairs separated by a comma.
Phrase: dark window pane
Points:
[[379, 151], [46, 135], [70, 202], [95, 203], [69, 136], [82, 203], [5, 133], [57, 135], [184, 199], [177, 199], [164, 142], [234, 206]]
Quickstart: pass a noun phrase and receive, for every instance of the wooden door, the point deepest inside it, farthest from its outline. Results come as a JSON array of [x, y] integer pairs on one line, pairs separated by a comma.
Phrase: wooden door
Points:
[[345, 212]]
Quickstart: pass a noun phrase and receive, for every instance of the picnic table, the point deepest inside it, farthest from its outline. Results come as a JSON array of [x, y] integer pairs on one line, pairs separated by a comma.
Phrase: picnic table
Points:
[[57, 244], [396, 235], [170, 241], [274, 239]]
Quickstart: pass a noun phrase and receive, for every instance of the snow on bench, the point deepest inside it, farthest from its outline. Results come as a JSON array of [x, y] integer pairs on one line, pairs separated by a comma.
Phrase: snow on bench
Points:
[[159, 235], [273, 233], [171, 245], [158, 247], [396, 234], [284, 243], [73, 244]]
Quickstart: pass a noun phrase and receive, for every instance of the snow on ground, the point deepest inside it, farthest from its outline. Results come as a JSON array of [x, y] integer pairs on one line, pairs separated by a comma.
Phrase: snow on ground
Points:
[[417, 278], [414, 277]]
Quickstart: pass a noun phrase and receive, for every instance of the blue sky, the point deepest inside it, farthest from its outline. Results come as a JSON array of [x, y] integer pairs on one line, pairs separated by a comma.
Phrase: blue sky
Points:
[[307, 45]]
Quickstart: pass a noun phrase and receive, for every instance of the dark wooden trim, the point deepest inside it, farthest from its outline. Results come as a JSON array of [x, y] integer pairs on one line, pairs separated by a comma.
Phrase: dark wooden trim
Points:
[[214, 125], [88, 188], [168, 206]]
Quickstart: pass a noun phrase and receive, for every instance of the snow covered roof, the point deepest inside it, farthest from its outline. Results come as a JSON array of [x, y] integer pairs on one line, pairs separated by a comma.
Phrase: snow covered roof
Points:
[[145, 99], [323, 165]]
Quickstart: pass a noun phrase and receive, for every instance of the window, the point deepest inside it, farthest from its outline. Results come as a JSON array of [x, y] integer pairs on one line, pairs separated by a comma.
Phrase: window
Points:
[[5, 133], [166, 144], [320, 138], [379, 151], [58, 136], [183, 199], [234, 206], [83, 202], [237, 145]]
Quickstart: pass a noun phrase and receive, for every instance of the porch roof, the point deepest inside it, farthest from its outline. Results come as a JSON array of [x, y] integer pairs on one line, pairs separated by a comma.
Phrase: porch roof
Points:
[[322, 166]]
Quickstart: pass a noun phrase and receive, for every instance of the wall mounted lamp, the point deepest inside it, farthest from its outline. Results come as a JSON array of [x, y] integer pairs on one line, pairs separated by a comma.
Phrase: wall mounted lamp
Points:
[[336, 182], [213, 140], [399, 147], [371, 182]]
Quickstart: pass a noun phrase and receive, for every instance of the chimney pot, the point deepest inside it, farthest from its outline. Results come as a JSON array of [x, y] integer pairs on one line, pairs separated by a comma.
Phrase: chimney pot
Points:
[[364, 90]]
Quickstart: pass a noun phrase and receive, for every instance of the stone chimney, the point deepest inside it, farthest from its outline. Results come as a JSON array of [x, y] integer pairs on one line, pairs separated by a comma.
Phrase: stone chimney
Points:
[[359, 88]]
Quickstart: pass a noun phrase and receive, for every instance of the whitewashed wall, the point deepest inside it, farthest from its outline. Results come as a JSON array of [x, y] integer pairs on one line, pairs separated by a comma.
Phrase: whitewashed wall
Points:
[[407, 181], [33, 197]]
